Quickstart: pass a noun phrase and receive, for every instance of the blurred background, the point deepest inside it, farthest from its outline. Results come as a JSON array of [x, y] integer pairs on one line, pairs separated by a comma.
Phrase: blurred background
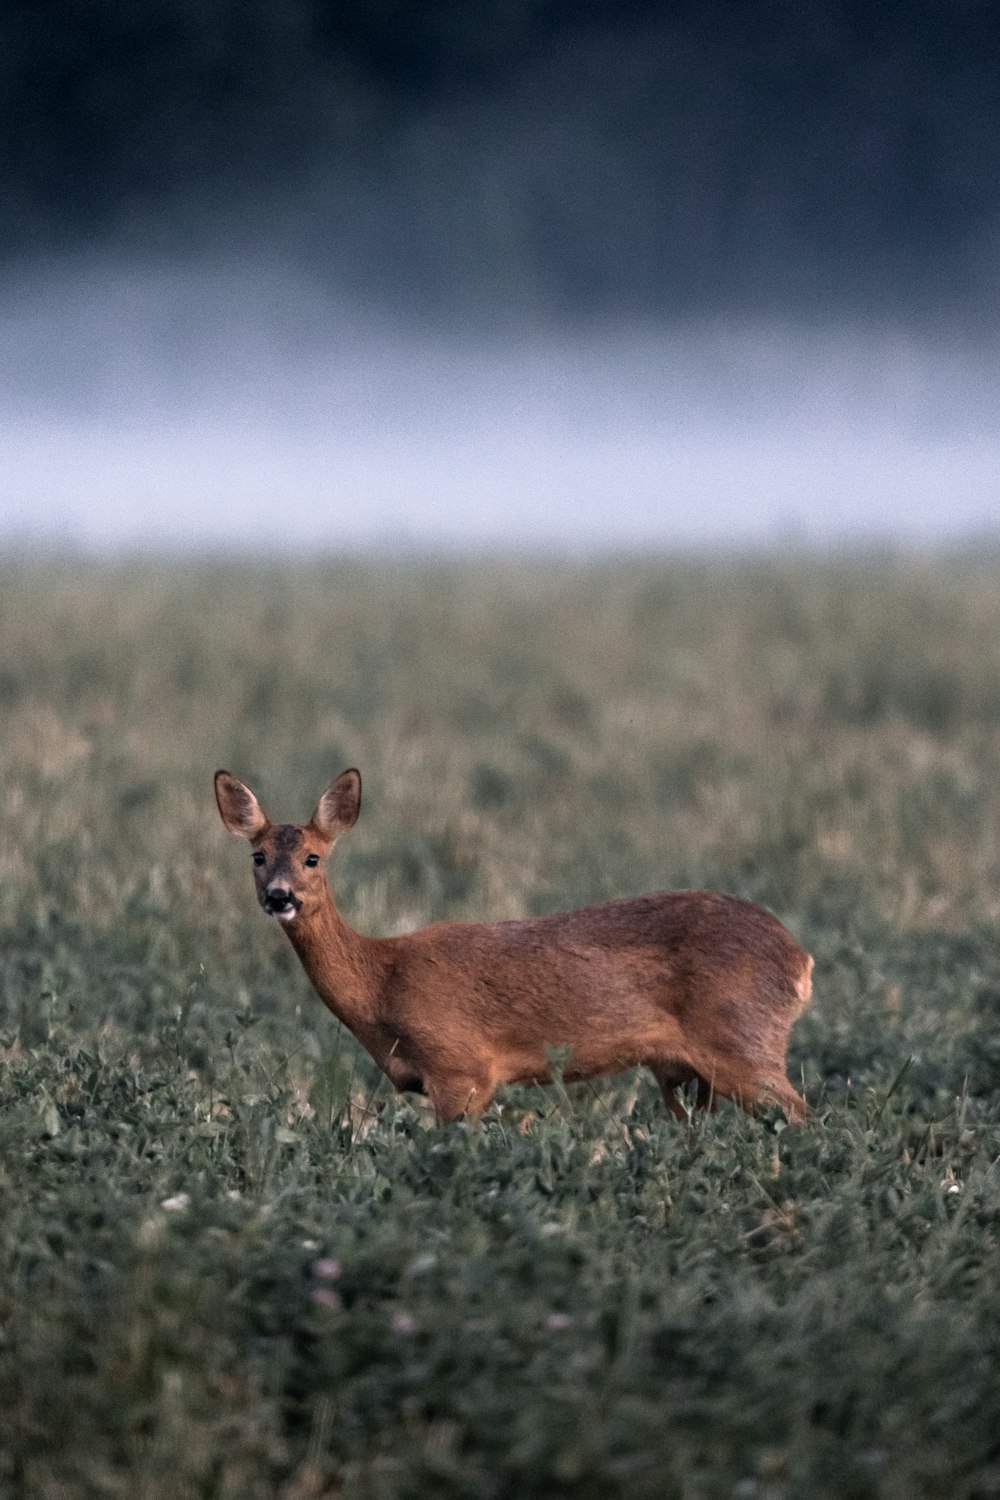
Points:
[[278, 274], [582, 417]]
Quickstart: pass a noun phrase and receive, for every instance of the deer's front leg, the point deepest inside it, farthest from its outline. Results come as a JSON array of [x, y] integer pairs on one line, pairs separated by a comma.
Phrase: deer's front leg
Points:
[[403, 1074], [459, 1096]]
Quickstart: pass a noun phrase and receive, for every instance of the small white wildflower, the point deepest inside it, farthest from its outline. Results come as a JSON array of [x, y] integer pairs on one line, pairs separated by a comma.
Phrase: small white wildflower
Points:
[[423, 1263], [323, 1297], [404, 1323], [177, 1203], [149, 1232], [326, 1269], [557, 1321], [310, 1244]]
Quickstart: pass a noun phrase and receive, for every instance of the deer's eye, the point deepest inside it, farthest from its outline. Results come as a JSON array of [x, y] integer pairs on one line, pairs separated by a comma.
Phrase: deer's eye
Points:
[[258, 858], [312, 860]]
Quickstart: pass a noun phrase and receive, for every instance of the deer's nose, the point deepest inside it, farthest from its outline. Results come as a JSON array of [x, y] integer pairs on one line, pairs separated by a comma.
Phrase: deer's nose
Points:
[[278, 898]]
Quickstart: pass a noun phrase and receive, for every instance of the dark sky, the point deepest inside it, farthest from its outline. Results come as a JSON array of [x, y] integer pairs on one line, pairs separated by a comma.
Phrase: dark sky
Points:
[[597, 273], [545, 158]]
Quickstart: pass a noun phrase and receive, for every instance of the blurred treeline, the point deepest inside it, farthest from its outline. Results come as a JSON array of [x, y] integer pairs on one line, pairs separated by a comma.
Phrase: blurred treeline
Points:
[[617, 157]]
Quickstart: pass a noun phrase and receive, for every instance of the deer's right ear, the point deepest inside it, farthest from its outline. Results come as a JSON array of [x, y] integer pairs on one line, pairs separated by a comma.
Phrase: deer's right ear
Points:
[[239, 808], [339, 805]]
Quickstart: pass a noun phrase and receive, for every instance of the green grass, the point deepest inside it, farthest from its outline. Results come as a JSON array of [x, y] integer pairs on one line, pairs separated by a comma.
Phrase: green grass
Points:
[[234, 1265]]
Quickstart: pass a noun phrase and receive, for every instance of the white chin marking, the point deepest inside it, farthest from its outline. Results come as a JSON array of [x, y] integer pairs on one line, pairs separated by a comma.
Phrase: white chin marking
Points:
[[287, 916]]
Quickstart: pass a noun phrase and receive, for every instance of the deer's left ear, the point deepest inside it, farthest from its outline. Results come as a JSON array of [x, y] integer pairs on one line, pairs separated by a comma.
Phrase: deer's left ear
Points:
[[238, 807], [339, 805]]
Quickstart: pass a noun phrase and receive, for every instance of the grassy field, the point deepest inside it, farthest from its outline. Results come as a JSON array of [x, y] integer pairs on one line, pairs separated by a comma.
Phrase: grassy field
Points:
[[234, 1265]]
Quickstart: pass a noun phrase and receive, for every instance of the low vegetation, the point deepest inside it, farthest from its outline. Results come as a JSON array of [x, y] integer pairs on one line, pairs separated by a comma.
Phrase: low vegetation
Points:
[[234, 1265]]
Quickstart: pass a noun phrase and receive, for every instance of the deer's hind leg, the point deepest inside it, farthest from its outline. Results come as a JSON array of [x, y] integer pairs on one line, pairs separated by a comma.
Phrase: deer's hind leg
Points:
[[750, 1089], [781, 1092], [672, 1076]]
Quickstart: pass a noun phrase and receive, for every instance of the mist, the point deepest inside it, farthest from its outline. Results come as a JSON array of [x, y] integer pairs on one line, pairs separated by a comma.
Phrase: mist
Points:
[[284, 277], [230, 406]]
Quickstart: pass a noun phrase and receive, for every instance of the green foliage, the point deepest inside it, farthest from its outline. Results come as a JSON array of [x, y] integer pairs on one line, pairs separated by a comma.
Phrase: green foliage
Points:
[[233, 1265]]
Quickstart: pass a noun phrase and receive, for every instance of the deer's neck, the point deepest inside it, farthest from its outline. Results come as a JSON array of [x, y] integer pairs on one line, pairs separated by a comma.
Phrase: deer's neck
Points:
[[347, 971]]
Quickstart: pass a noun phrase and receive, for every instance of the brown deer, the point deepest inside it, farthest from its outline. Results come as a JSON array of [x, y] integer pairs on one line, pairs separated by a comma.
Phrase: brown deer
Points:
[[696, 986]]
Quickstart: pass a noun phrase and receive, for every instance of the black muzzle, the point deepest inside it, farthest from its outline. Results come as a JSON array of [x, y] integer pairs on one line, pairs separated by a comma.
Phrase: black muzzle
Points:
[[277, 901]]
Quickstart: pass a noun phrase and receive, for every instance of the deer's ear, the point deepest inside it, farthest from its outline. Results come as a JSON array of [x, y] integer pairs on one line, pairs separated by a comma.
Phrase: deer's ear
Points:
[[239, 808], [339, 805]]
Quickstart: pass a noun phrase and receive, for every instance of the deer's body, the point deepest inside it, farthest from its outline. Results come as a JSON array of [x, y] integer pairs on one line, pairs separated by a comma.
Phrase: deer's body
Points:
[[694, 985]]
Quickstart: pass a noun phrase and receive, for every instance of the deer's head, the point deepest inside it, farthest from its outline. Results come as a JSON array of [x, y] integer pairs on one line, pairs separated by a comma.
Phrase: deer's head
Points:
[[288, 857]]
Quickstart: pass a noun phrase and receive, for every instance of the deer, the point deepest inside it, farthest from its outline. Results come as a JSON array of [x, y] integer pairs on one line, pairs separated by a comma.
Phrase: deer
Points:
[[699, 987]]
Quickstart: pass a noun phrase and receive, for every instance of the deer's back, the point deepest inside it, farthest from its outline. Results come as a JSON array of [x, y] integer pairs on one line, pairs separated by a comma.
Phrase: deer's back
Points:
[[617, 982], [693, 933]]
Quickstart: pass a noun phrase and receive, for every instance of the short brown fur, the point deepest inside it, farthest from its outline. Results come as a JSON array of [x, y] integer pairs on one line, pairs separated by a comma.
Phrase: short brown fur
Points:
[[694, 985]]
